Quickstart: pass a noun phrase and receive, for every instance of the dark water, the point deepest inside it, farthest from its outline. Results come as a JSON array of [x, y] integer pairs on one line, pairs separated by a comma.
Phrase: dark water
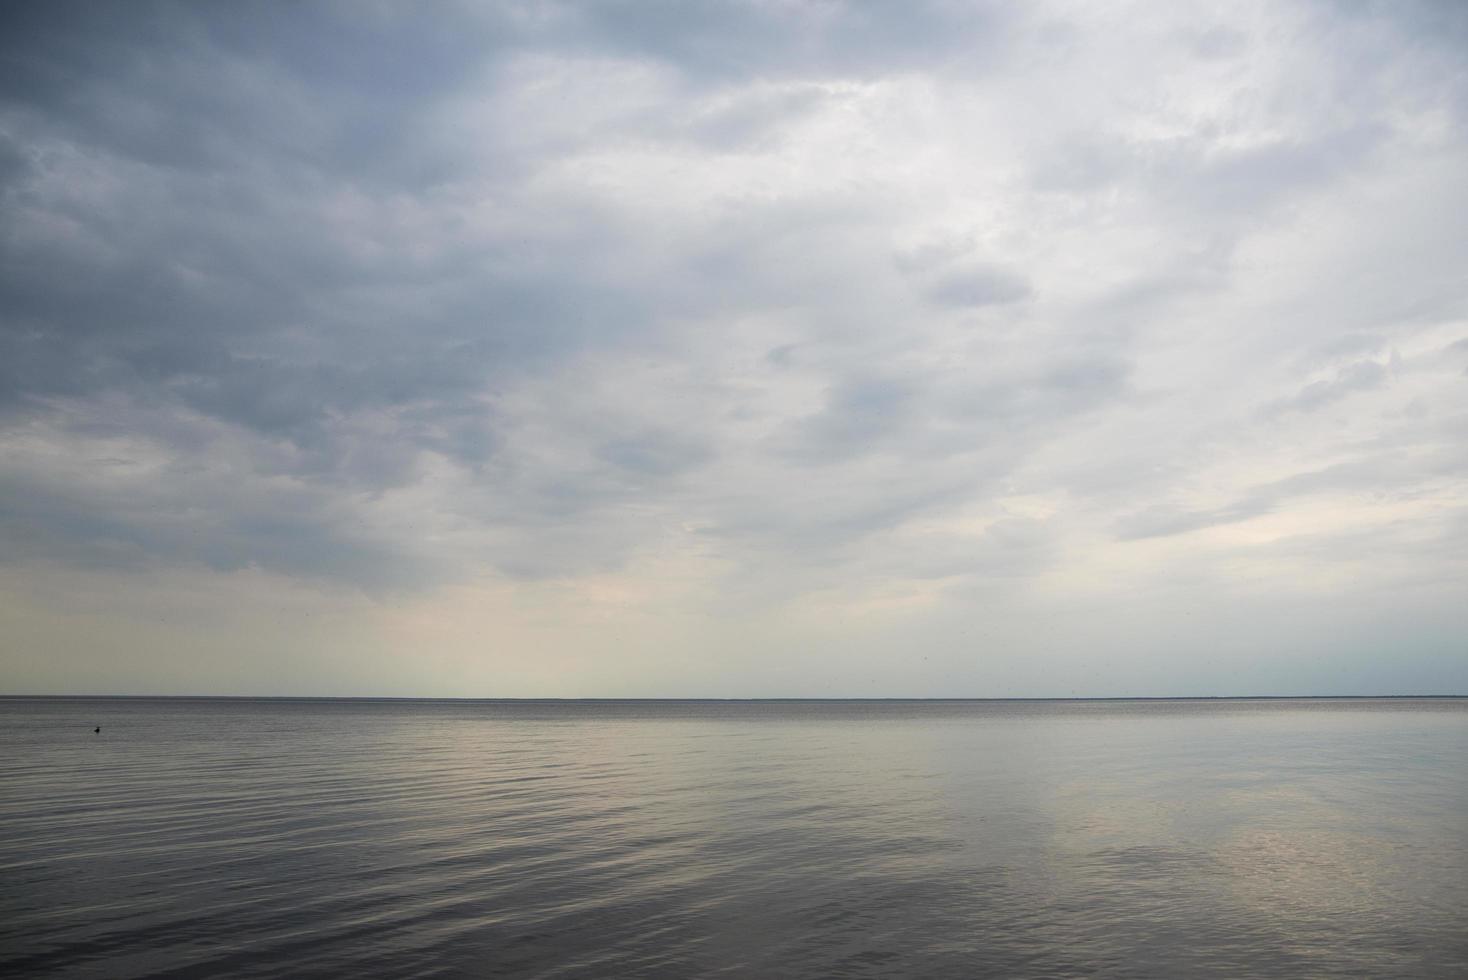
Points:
[[681, 839]]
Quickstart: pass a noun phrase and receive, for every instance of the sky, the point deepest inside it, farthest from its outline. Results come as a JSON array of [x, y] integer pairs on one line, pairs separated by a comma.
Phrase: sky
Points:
[[734, 349]]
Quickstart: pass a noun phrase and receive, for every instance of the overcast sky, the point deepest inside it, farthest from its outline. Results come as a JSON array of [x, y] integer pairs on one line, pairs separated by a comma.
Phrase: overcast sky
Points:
[[734, 349]]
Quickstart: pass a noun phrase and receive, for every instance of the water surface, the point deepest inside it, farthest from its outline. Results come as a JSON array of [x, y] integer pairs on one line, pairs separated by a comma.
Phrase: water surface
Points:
[[733, 839]]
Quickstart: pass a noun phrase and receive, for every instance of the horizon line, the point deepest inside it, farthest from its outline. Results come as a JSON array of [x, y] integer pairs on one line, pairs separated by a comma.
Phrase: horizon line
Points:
[[776, 699]]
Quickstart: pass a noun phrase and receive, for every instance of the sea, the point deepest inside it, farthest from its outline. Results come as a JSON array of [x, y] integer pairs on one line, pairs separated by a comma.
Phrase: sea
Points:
[[764, 839]]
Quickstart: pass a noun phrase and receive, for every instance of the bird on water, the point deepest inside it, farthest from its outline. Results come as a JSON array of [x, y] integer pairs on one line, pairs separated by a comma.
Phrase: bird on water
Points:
[[97, 730]]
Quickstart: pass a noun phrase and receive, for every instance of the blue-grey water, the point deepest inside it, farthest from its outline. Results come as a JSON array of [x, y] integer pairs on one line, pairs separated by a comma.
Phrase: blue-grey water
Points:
[[746, 839]]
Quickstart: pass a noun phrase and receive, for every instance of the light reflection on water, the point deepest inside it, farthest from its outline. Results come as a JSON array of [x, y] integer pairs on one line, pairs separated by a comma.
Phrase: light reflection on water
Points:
[[765, 839]]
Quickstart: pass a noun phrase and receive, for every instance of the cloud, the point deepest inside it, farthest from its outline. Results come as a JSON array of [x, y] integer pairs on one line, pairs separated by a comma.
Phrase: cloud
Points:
[[1360, 376], [977, 287], [859, 414], [772, 308]]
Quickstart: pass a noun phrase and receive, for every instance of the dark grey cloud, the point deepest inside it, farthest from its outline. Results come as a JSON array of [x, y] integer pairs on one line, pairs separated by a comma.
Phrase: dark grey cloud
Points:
[[980, 286], [1359, 376], [1162, 521], [1380, 471], [204, 215], [653, 453], [178, 517], [1041, 395], [861, 415], [732, 40]]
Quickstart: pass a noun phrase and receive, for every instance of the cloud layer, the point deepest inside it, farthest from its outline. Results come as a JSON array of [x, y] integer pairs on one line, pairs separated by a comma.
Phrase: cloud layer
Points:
[[740, 348]]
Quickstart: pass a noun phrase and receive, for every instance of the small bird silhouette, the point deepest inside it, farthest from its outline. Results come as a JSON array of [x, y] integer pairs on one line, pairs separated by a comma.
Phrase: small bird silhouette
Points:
[[97, 730]]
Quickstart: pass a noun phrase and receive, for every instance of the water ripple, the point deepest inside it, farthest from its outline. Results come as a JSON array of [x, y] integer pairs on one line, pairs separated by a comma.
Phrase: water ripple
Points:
[[240, 838]]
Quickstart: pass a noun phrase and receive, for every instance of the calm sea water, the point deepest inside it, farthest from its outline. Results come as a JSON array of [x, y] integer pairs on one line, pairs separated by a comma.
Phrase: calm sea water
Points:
[[763, 839]]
